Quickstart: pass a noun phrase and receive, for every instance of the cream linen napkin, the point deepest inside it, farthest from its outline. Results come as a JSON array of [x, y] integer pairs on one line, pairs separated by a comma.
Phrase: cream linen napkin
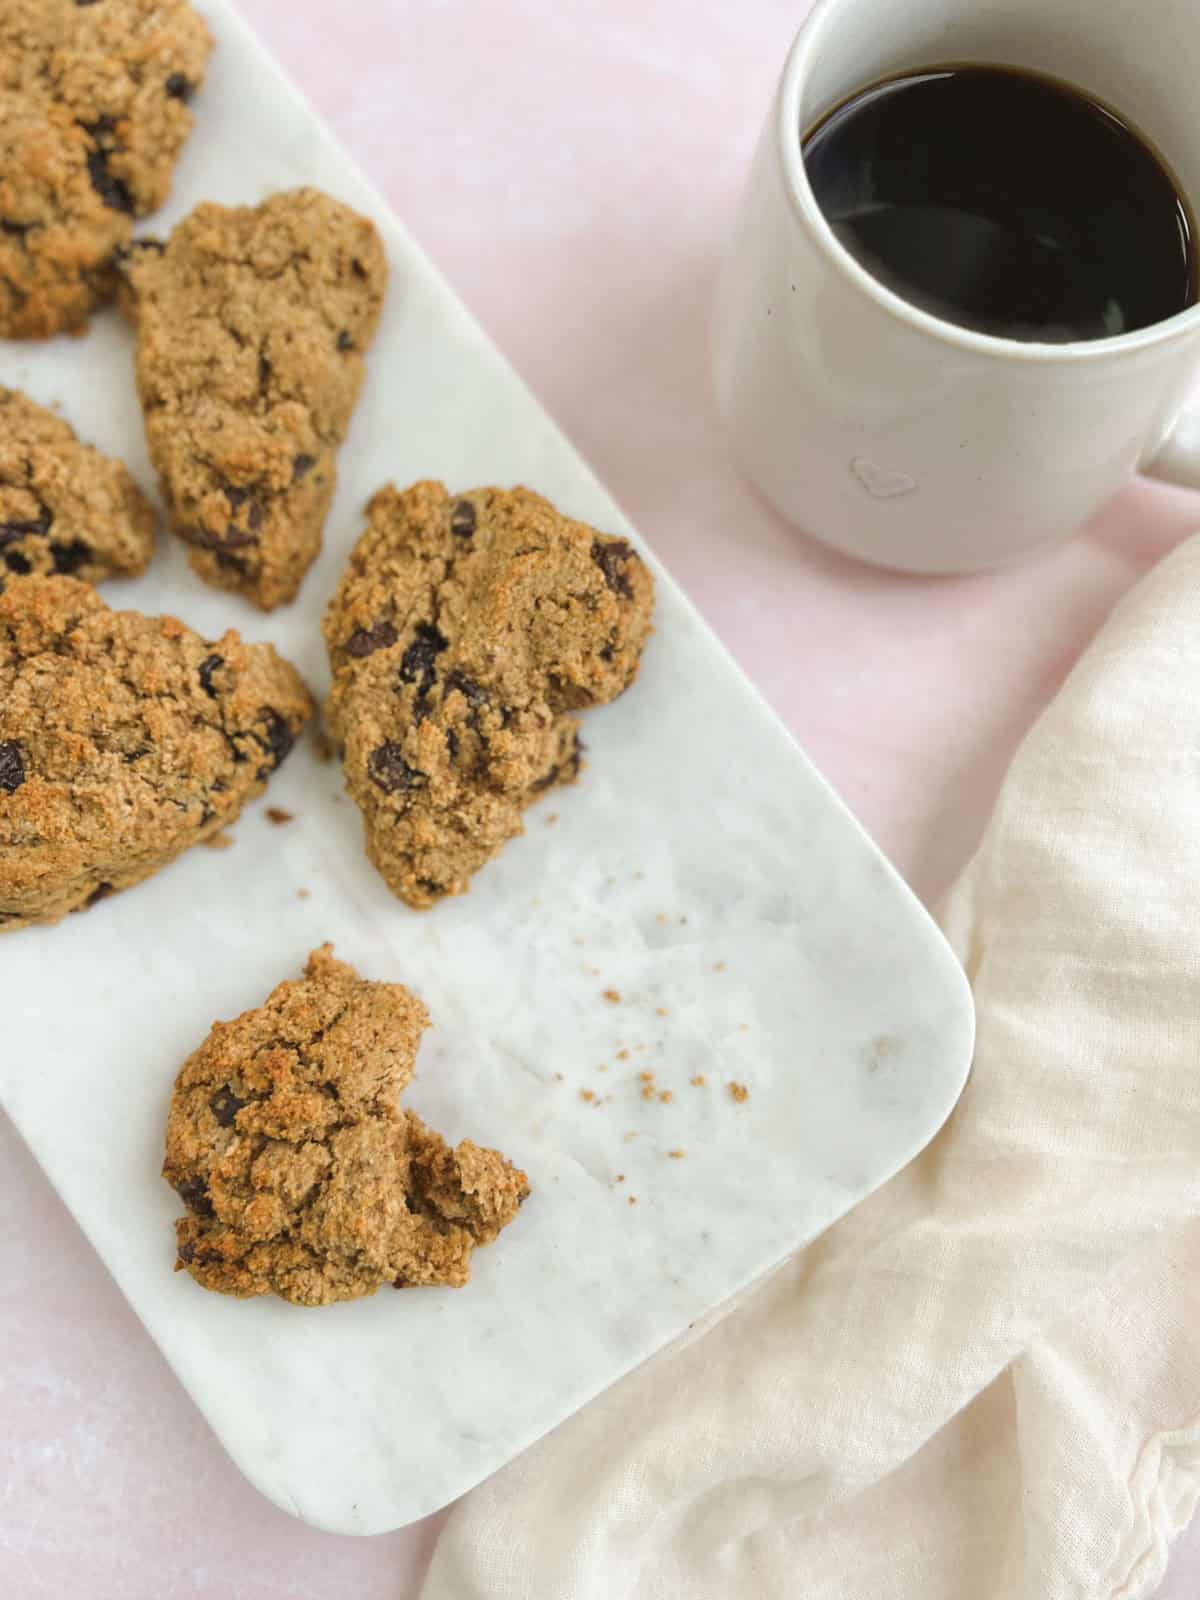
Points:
[[984, 1383]]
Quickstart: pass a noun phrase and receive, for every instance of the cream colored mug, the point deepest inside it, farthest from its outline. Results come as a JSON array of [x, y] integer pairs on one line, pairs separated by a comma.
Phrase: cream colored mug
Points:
[[912, 442]]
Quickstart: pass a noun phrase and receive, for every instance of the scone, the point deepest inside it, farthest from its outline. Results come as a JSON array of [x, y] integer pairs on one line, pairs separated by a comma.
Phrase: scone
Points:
[[251, 326], [124, 739], [64, 507], [93, 113], [301, 1175], [466, 632]]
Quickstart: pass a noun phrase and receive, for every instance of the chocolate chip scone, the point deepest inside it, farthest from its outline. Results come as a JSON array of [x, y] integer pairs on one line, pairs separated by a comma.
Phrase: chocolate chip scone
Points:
[[123, 740], [93, 114], [251, 325], [63, 506], [464, 634], [301, 1175]]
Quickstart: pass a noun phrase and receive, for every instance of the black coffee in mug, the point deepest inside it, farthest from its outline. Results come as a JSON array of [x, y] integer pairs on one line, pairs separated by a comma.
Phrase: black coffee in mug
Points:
[[1007, 202]]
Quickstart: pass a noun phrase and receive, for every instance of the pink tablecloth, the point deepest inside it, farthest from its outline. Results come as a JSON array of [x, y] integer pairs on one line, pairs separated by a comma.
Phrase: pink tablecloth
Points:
[[572, 169]]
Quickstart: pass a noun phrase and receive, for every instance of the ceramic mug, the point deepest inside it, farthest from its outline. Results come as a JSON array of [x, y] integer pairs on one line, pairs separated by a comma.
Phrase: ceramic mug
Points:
[[909, 441]]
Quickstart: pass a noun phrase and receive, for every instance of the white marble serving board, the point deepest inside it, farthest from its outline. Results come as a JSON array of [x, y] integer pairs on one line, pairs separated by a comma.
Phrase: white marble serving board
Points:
[[701, 870]]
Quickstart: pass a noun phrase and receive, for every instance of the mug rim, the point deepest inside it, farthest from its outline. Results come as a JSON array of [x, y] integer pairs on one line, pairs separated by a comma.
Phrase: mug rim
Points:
[[813, 218]]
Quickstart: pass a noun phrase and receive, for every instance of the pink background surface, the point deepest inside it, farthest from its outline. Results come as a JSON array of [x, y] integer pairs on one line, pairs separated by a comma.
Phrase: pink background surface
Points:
[[572, 170]]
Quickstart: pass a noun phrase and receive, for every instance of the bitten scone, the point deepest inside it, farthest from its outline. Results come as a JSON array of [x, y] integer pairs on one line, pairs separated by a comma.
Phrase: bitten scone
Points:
[[64, 507], [123, 740], [301, 1175], [464, 634], [251, 326], [93, 114]]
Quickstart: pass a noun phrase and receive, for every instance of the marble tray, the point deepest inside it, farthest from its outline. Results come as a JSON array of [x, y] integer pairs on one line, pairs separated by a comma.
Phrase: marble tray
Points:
[[702, 871]]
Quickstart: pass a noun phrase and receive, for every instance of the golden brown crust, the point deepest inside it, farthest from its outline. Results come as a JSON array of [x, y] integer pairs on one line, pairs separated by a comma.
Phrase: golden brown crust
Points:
[[93, 114], [464, 634], [251, 326], [124, 740], [64, 507], [301, 1175]]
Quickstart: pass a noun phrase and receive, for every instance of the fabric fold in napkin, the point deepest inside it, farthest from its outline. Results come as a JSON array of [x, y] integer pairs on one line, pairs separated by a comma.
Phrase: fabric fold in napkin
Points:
[[985, 1381]]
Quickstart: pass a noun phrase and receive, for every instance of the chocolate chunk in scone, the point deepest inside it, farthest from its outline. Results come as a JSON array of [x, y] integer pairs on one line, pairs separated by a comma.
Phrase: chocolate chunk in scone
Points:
[[251, 326], [93, 113], [465, 633], [124, 739], [301, 1175], [64, 507]]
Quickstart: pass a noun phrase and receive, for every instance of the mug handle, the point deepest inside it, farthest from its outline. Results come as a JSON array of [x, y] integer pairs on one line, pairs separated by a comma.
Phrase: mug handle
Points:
[[1178, 461]]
